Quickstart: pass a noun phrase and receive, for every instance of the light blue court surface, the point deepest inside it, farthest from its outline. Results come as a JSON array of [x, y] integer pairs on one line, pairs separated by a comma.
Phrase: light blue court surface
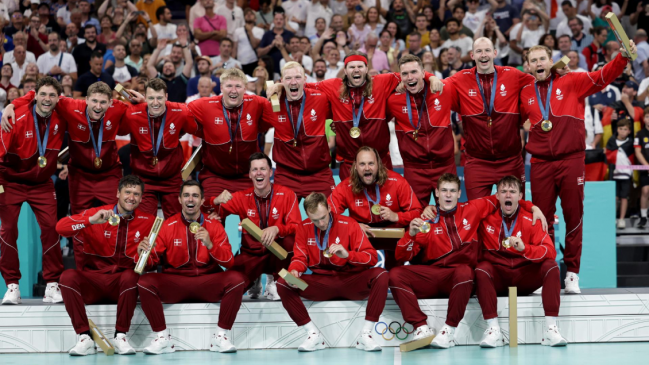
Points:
[[575, 354]]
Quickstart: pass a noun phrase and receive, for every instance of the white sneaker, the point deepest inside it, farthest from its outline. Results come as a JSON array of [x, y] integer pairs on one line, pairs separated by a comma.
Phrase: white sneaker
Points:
[[423, 332], [539, 291], [271, 291], [52, 293], [255, 290], [621, 224], [444, 339], [122, 347], [553, 338], [367, 343], [85, 346], [572, 283], [492, 338], [160, 345], [315, 341], [12, 296], [220, 343]]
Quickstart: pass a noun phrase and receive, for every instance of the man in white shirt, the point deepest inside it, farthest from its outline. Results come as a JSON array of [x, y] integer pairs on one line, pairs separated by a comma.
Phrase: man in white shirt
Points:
[[225, 60], [314, 10], [594, 129], [333, 64], [56, 63], [473, 16], [573, 65], [165, 29], [20, 39], [120, 71], [246, 39], [464, 43], [205, 86], [296, 12], [528, 36], [570, 12], [232, 14], [19, 65], [297, 55], [565, 44]]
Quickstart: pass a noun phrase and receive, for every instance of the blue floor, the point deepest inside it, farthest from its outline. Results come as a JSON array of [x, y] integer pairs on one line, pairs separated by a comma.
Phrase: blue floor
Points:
[[590, 354]]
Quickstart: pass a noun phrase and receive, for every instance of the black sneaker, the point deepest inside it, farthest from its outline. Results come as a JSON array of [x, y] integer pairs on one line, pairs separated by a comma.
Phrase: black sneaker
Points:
[[643, 222]]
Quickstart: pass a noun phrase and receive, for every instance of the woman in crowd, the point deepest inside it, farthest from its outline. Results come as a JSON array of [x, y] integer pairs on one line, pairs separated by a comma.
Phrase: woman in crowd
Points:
[[442, 61], [397, 40], [358, 31], [550, 41], [373, 20], [436, 41]]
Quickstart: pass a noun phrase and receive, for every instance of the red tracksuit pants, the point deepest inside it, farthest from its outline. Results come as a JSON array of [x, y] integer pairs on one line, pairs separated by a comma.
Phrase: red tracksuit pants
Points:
[[214, 185], [481, 175], [303, 185], [563, 179], [412, 282], [226, 287], [86, 287], [424, 181], [253, 266], [372, 283], [169, 202], [42, 199], [492, 280]]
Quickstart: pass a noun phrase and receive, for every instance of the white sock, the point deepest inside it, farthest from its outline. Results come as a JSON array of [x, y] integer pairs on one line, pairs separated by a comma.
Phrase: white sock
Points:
[[311, 328], [221, 331], [643, 213], [493, 323], [550, 321], [368, 326], [164, 333]]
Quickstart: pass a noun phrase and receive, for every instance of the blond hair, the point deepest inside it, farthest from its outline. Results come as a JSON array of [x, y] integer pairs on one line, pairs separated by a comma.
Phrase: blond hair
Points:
[[100, 87], [233, 74], [312, 202], [290, 65], [538, 48]]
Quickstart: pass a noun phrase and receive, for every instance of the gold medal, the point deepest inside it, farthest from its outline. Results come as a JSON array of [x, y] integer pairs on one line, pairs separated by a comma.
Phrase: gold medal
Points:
[[506, 243], [295, 143], [230, 152], [489, 124], [326, 253], [376, 209], [97, 162], [42, 161], [425, 228], [194, 227], [154, 161], [114, 220], [355, 132], [415, 133], [546, 125]]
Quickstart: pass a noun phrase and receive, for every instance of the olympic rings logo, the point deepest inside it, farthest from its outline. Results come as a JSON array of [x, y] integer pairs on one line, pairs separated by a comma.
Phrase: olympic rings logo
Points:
[[393, 331]]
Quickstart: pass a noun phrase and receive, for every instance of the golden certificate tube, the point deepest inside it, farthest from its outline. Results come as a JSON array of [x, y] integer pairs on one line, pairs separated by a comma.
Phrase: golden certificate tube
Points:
[[123, 93], [144, 257]]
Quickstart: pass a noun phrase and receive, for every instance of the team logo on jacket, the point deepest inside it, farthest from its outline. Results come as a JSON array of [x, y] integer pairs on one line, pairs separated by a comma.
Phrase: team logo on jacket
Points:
[[370, 99], [490, 229], [359, 202], [56, 129], [388, 200], [559, 95], [218, 121], [344, 100], [466, 224], [109, 125], [281, 119], [251, 213], [438, 105], [439, 230], [172, 129], [518, 234], [503, 92], [580, 180], [249, 119], [314, 116], [81, 127], [275, 214], [106, 234], [178, 242], [472, 92], [310, 242], [29, 134], [530, 101], [137, 237], [337, 240], [143, 130], [404, 110]]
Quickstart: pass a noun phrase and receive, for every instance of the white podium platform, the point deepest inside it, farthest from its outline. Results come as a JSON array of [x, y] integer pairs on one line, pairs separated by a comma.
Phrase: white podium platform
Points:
[[597, 315]]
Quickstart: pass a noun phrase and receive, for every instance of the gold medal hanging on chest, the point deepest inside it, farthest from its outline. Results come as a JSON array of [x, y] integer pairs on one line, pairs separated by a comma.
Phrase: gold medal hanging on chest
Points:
[[194, 227], [425, 228], [154, 161], [355, 132], [376, 209], [415, 133], [546, 125], [326, 253], [113, 220], [506, 243], [42, 161], [98, 162]]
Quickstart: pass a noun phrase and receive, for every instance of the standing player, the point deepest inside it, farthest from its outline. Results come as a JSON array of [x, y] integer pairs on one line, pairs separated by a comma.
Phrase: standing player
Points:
[[156, 153], [341, 259], [191, 271], [28, 157], [555, 107], [107, 274], [274, 209], [376, 197], [516, 253], [423, 128], [300, 149]]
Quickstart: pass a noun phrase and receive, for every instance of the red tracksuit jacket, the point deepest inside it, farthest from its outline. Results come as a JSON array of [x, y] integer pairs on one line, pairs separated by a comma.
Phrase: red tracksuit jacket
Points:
[[453, 240], [434, 142], [283, 210], [170, 156], [538, 244], [82, 154], [180, 254], [217, 158], [500, 140], [19, 150], [344, 231], [311, 154], [396, 194], [107, 249], [567, 139]]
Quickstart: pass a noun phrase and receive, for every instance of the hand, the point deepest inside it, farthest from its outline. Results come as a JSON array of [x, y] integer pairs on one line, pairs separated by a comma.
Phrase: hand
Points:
[[42, 29], [328, 33], [333, 127], [162, 43], [223, 198], [143, 246], [204, 236], [73, 40], [214, 216], [624, 98], [6, 115], [537, 215], [401, 88], [56, 70], [34, 33], [366, 229], [182, 40], [268, 235], [436, 85], [131, 17], [275, 89], [415, 224], [297, 275], [101, 216], [388, 215], [633, 49], [614, 116], [517, 243], [338, 250], [599, 107], [136, 96], [63, 175], [341, 40], [563, 71], [249, 27], [430, 212], [145, 16]]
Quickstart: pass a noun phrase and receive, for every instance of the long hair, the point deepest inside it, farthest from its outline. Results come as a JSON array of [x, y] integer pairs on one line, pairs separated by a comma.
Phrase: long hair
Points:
[[381, 177], [367, 86]]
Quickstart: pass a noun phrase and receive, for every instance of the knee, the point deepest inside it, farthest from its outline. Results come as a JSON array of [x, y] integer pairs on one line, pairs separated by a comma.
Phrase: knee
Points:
[[395, 276], [463, 273], [129, 278], [147, 281], [483, 270], [381, 277], [550, 268], [69, 277], [283, 288], [235, 281]]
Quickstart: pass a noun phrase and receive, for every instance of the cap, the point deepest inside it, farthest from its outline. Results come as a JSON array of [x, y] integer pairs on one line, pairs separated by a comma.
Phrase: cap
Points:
[[206, 58], [607, 8], [35, 1], [631, 84], [251, 79]]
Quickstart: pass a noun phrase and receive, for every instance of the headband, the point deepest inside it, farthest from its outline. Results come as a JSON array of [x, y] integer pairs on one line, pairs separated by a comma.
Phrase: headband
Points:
[[356, 58]]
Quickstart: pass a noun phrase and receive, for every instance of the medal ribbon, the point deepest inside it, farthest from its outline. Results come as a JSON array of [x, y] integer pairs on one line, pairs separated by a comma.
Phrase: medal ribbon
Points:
[[420, 111], [200, 220], [100, 138], [488, 107], [41, 146], [439, 214], [270, 201], [378, 195], [545, 111], [508, 232], [226, 115], [323, 246], [117, 213], [156, 146], [356, 118], [289, 111]]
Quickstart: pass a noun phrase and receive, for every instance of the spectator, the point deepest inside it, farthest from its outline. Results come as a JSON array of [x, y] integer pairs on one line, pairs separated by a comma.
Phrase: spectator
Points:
[[334, 65], [297, 10], [204, 66], [305, 45], [262, 76], [401, 13], [315, 10], [464, 44], [619, 151], [20, 39], [67, 85], [549, 41], [320, 28], [421, 25], [205, 89], [641, 64], [93, 75], [430, 64], [47, 20], [415, 46], [570, 13], [225, 59], [458, 14], [134, 59], [432, 18], [296, 55], [454, 59], [73, 39], [84, 6], [164, 28], [7, 43], [120, 71], [246, 39], [358, 31], [63, 14], [377, 59], [267, 63], [473, 17], [573, 65], [337, 23], [506, 16], [55, 62], [210, 29], [348, 16], [385, 42], [12, 94], [319, 71], [593, 52], [489, 29], [627, 107], [275, 38], [233, 16], [338, 7], [6, 72], [36, 41], [639, 17], [594, 129], [600, 21], [83, 51], [525, 34], [150, 7], [176, 57], [264, 17], [29, 84], [75, 17], [641, 145], [176, 84], [564, 43], [19, 64], [17, 24], [107, 36], [580, 40]]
